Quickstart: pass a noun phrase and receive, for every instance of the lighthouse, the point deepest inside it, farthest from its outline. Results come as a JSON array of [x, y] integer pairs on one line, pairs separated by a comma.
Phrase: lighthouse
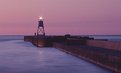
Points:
[[40, 29]]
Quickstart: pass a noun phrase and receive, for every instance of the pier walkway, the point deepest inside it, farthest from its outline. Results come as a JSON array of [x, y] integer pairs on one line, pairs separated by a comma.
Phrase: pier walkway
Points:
[[18, 56]]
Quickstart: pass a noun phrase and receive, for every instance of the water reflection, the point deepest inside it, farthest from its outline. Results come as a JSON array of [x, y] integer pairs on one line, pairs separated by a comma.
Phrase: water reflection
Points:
[[21, 57]]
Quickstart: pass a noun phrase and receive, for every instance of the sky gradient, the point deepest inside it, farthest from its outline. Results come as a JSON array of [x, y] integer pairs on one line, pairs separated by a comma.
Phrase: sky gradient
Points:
[[77, 17]]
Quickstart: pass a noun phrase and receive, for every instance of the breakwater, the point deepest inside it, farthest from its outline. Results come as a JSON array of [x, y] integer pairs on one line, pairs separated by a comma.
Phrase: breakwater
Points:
[[96, 51]]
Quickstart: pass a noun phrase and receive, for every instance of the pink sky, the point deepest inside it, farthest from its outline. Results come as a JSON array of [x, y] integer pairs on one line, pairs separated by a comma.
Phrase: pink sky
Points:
[[78, 17]]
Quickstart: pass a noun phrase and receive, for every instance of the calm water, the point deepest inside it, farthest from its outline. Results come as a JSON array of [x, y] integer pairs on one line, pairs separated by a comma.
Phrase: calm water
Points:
[[17, 56], [116, 38]]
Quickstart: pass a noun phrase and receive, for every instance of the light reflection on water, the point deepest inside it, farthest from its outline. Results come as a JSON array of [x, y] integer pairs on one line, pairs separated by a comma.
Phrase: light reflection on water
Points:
[[18, 56]]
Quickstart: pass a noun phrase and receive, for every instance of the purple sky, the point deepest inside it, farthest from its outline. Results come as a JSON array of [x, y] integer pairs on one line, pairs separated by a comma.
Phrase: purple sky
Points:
[[78, 17]]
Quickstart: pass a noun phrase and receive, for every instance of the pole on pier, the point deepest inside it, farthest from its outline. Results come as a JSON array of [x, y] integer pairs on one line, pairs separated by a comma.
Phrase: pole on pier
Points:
[[40, 29]]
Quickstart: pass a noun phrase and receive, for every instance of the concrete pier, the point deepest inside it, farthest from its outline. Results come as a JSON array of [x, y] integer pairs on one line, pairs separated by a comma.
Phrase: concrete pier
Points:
[[49, 40], [96, 51]]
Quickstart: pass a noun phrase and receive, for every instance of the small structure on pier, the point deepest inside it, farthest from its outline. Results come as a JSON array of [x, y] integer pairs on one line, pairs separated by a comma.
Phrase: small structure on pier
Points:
[[40, 29]]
